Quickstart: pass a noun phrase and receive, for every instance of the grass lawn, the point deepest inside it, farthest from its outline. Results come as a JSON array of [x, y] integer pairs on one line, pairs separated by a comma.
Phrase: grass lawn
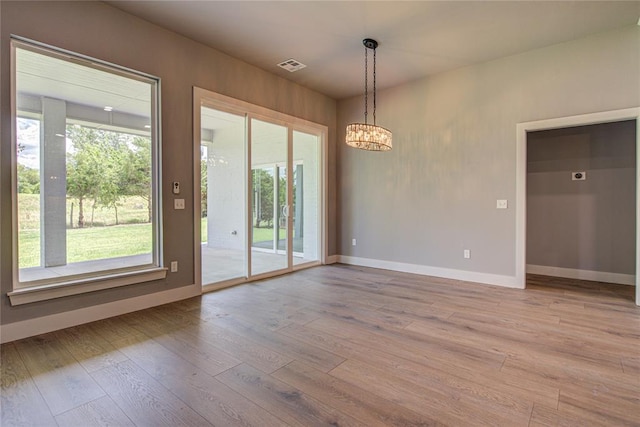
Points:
[[133, 237], [86, 244], [266, 234], [131, 210], [259, 234], [103, 240]]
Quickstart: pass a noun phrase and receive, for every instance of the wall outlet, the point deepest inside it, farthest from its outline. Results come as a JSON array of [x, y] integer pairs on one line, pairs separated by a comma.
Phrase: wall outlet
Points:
[[501, 204], [578, 176], [467, 254], [174, 266], [353, 242], [178, 203]]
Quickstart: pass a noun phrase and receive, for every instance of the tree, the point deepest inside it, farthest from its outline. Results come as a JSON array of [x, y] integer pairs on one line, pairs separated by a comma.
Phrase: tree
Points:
[[263, 196], [203, 188], [94, 167], [111, 187], [135, 172], [83, 167], [28, 180]]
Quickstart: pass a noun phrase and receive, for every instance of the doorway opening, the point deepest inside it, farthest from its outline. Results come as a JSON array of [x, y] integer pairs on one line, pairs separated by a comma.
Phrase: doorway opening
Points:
[[581, 199]]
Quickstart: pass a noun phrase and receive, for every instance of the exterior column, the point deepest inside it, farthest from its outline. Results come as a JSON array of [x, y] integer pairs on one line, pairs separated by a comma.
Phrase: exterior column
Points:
[[53, 183]]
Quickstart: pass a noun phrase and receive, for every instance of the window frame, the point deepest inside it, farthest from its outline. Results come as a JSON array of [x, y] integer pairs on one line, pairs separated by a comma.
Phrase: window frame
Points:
[[45, 289]]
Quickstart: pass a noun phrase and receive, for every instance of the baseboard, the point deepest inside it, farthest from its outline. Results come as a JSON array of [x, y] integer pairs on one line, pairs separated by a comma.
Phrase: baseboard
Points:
[[54, 322], [467, 276], [332, 259], [571, 273]]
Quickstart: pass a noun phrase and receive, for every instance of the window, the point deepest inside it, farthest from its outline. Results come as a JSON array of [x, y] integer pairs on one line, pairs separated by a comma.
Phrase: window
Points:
[[85, 188]]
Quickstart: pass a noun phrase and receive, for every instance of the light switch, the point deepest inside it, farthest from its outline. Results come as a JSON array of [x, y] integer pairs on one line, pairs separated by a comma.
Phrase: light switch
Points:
[[178, 204], [501, 204]]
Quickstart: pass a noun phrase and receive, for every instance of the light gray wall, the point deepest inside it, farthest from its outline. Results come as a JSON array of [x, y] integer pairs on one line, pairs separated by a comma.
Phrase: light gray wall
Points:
[[101, 31], [584, 225], [454, 153]]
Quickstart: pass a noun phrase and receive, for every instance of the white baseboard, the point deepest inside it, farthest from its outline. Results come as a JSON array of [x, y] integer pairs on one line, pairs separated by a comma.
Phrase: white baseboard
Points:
[[332, 259], [467, 276], [571, 273], [54, 322]]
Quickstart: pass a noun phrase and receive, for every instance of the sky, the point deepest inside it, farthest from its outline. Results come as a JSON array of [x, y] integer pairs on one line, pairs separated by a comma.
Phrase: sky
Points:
[[29, 138]]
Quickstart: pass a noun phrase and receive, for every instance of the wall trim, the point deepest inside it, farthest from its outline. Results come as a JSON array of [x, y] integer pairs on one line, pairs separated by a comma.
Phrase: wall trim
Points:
[[572, 273], [425, 270], [40, 325], [332, 259], [81, 286]]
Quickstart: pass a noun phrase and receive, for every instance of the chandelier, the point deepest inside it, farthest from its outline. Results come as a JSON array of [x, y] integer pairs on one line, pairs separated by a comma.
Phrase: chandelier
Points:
[[363, 135]]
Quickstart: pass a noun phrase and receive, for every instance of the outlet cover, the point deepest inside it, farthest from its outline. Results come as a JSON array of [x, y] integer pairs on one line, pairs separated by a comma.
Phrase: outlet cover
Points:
[[178, 204], [467, 254], [174, 266], [501, 204], [578, 176]]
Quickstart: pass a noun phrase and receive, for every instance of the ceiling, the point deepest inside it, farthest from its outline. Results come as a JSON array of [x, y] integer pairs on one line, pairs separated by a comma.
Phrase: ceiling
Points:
[[416, 38]]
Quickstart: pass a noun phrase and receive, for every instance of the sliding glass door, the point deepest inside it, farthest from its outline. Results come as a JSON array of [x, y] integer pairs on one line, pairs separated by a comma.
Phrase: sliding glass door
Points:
[[269, 190], [306, 200], [222, 190], [260, 195]]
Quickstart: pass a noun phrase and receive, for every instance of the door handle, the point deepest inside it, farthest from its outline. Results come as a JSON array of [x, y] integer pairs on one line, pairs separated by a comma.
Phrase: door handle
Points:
[[285, 210]]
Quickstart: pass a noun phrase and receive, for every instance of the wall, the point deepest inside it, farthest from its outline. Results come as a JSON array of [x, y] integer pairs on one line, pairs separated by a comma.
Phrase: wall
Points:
[[101, 31], [420, 205], [582, 225]]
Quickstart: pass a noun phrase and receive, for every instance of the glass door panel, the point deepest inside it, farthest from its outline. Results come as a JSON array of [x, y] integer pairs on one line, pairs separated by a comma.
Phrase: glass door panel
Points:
[[269, 210], [223, 201], [283, 208], [306, 197]]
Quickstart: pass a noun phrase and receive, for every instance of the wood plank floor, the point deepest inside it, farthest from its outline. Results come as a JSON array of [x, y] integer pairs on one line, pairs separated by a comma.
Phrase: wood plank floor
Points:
[[339, 345]]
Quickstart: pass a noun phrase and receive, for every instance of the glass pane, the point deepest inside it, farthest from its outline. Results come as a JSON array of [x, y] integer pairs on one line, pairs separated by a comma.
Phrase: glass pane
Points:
[[223, 196], [269, 197], [84, 168], [306, 197], [282, 208]]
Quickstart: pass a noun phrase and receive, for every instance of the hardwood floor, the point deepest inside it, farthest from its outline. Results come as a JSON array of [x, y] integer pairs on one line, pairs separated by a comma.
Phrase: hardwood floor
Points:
[[339, 345]]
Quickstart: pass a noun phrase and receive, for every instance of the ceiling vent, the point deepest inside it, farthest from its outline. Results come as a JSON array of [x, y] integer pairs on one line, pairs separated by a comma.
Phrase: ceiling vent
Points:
[[291, 65]]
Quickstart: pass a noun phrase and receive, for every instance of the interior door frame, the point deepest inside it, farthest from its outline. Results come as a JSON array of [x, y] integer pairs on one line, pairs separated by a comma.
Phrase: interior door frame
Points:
[[203, 97], [521, 178]]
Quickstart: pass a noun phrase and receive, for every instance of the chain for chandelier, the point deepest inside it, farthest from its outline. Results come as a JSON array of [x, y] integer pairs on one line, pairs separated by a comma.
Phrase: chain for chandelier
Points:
[[366, 84], [363, 135], [366, 81]]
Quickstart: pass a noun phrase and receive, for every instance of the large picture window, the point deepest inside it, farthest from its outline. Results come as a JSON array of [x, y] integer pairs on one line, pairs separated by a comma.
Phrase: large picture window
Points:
[[85, 169]]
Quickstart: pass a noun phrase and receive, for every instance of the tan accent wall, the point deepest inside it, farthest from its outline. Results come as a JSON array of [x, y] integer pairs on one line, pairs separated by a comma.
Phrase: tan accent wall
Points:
[[106, 33]]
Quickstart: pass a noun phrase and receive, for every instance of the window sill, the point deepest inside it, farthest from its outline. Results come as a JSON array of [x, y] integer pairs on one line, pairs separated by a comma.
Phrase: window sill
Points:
[[81, 286]]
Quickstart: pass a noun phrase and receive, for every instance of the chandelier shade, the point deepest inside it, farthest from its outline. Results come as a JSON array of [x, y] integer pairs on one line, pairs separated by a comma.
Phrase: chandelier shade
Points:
[[368, 137], [364, 135]]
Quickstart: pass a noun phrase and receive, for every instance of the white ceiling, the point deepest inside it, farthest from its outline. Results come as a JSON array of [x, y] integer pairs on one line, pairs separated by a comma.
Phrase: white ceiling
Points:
[[417, 38], [44, 75]]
